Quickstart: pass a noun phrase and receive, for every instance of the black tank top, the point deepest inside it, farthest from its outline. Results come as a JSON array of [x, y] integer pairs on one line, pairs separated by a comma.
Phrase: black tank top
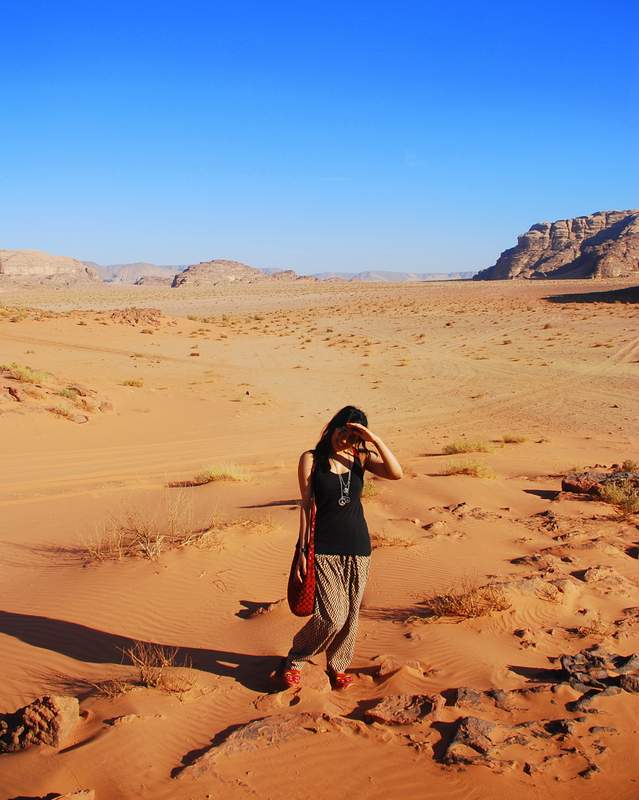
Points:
[[340, 530]]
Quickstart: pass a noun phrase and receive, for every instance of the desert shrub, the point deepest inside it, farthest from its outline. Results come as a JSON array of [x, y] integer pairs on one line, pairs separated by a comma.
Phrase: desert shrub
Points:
[[467, 446], [157, 667], [467, 599], [135, 382], [68, 393], [622, 495], [630, 466], [223, 472], [469, 467], [512, 438], [137, 536], [23, 373]]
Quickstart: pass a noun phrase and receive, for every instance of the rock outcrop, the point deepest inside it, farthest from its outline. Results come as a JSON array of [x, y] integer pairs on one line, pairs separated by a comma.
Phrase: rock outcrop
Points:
[[218, 271], [601, 245], [34, 265], [48, 720]]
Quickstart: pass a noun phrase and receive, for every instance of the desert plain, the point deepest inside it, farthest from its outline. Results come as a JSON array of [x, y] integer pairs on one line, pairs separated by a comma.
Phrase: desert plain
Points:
[[114, 418]]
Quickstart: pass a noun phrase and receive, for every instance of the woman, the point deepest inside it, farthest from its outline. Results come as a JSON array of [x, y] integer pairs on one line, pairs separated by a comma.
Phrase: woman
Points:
[[332, 476]]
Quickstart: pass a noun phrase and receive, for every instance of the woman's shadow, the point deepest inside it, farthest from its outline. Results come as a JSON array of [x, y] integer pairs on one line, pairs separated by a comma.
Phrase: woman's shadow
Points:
[[88, 644]]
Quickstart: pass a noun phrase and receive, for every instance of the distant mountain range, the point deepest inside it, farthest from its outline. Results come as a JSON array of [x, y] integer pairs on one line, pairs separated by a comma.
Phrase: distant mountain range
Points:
[[143, 272], [131, 273], [388, 276]]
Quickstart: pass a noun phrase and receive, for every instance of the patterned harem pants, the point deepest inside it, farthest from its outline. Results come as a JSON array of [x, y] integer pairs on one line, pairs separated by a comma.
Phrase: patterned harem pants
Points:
[[339, 587]]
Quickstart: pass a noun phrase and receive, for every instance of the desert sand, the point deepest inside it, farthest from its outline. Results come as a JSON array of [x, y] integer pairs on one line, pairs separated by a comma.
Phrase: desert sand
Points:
[[248, 377]]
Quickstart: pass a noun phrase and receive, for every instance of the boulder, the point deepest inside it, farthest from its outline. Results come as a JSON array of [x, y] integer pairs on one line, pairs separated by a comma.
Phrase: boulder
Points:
[[47, 720]]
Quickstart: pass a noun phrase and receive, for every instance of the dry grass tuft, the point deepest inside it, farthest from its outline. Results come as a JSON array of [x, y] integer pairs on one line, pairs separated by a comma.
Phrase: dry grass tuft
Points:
[[384, 540], [110, 688], [134, 536], [630, 466], [469, 467], [512, 438], [468, 446], [369, 489], [622, 495], [156, 667], [23, 373], [467, 599], [224, 472], [136, 383]]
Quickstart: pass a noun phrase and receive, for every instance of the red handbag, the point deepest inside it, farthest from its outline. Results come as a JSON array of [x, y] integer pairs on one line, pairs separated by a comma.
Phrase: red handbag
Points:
[[301, 594]]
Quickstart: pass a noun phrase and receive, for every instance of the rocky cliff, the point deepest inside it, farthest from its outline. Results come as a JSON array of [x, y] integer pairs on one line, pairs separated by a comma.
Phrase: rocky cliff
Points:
[[34, 265], [209, 273], [601, 245]]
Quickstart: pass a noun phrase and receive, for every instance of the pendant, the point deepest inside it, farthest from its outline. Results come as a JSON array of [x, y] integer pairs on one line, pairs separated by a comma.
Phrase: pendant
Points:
[[343, 500]]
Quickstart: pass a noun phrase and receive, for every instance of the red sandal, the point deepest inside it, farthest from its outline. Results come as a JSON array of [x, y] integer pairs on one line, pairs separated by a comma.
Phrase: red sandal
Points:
[[291, 678], [287, 677], [341, 680]]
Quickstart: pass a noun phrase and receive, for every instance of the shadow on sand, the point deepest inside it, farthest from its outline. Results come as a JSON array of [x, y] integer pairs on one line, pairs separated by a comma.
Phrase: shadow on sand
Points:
[[627, 295], [99, 647]]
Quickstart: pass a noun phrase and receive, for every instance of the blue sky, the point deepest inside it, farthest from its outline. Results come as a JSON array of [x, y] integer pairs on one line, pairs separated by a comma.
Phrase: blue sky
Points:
[[315, 136]]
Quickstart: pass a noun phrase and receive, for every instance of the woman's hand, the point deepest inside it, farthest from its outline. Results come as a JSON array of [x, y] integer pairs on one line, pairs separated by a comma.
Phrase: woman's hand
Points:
[[300, 569], [362, 431]]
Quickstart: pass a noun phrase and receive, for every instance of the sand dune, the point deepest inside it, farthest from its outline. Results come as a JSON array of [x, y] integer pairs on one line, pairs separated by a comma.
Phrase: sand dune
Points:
[[248, 380]]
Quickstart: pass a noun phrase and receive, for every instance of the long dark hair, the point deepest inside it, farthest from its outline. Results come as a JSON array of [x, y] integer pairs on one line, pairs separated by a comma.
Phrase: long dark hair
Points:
[[323, 447]]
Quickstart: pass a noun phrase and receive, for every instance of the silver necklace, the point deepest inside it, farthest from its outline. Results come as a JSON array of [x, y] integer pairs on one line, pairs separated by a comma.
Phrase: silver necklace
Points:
[[344, 488]]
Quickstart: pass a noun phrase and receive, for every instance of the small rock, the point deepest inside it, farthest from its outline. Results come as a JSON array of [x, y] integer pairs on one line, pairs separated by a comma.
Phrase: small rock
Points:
[[386, 665], [468, 697], [590, 770], [629, 683], [472, 734], [405, 709], [598, 729], [439, 526], [627, 663], [584, 703], [560, 726], [105, 406], [17, 394], [502, 699]]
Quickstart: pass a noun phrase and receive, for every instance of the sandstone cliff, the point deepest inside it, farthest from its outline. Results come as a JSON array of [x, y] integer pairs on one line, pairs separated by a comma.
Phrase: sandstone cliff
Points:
[[602, 245], [34, 265]]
